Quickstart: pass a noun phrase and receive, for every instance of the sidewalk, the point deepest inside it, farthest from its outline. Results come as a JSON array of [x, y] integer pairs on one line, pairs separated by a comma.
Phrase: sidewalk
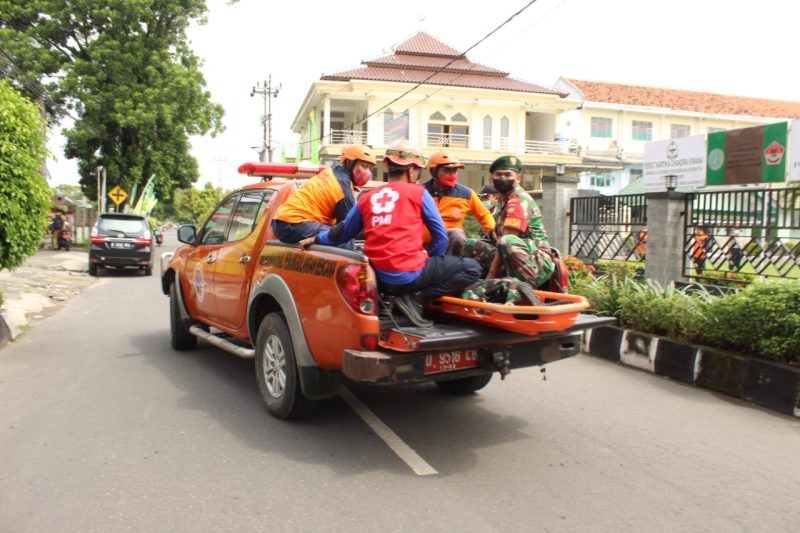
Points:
[[41, 286]]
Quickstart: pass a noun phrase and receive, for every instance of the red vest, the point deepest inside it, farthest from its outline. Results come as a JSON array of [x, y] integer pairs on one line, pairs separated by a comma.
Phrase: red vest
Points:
[[392, 216]]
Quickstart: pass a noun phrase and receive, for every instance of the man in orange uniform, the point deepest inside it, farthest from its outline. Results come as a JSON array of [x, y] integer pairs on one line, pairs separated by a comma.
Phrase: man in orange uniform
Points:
[[325, 199], [454, 201]]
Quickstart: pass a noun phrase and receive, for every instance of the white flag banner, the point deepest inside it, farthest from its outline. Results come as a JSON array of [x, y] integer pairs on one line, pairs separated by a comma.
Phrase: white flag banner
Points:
[[793, 167], [684, 158]]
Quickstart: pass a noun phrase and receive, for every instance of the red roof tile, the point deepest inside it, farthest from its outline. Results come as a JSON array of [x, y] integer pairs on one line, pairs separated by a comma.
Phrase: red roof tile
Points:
[[616, 93], [423, 58], [424, 44]]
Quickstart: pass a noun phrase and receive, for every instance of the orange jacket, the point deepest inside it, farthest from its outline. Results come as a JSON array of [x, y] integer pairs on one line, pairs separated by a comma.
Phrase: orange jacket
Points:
[[325, 198], [454, 205], [699, 246]]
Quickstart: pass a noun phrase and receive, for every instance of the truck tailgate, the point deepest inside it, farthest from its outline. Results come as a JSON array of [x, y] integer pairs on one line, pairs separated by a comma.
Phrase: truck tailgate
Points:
[[454, 350]]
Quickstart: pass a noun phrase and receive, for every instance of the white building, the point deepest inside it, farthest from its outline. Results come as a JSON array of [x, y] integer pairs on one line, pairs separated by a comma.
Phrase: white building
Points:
[[613, 122]]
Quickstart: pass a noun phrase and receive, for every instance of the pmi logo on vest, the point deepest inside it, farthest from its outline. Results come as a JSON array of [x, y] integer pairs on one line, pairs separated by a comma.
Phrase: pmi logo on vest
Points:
[[383, 202]]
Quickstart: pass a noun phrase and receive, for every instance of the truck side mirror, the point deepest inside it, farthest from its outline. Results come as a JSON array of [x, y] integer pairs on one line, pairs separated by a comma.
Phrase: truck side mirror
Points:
[[187, 233]]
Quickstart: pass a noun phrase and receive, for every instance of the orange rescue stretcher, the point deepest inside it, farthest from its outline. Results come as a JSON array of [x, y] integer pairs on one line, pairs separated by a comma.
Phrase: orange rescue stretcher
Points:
[[557, 312]]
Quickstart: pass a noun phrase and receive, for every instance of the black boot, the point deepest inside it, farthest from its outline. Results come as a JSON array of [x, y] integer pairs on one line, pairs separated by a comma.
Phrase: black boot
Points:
[[411, 306]]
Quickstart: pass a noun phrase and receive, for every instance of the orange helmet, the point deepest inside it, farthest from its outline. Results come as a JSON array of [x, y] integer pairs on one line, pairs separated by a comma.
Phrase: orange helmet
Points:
[[401, 153], [358, 151], [443, 158]]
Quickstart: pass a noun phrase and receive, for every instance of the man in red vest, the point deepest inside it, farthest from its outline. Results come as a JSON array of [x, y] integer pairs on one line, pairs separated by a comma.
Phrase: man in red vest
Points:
[[392, 217]]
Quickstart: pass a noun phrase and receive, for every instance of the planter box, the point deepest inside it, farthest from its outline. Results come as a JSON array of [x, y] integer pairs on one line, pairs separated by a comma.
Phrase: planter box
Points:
[[767, 384]]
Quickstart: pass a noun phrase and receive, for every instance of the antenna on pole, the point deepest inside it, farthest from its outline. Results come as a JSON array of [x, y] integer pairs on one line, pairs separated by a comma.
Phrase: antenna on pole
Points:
[[267, 91]]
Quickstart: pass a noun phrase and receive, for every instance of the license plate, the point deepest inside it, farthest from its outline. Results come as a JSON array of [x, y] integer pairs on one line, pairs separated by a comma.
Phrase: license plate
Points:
[[120, 245], [450, 361]]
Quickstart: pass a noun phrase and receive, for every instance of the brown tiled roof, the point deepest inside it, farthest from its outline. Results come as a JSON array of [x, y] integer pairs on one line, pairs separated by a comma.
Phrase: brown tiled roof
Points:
[[616, 93], [424, 44], [423, 56]]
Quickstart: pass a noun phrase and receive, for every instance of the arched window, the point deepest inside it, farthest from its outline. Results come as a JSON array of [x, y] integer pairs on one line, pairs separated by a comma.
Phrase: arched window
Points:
[[395, 127], [442, 132], [487, 132], [504, 128]]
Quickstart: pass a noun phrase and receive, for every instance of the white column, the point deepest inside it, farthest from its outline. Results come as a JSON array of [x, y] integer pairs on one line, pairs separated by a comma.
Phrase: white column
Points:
[[326, 115]]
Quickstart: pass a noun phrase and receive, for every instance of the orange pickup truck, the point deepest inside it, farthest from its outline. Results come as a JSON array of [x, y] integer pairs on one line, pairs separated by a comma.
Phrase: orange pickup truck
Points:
[[312, 317]]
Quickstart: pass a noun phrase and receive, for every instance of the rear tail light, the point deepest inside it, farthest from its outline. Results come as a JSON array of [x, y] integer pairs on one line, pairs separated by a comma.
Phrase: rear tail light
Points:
[[358, 287], [142, 242]]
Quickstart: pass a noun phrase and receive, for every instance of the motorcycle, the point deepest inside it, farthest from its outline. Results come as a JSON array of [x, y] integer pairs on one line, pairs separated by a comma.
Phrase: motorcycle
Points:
[[64, 240], [159, 238]]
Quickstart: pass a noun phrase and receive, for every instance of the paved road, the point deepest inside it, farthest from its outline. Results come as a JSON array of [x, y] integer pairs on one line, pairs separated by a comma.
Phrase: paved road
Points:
[[104, 428]]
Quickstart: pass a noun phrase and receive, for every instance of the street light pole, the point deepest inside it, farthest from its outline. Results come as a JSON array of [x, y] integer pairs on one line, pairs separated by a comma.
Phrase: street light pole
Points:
[[267, 91]]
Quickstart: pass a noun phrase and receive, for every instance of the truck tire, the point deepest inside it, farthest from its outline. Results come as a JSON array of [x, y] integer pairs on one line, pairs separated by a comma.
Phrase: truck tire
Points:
[[464, 385], [148, 270], [180, 337], [92, 269], [276, 370]]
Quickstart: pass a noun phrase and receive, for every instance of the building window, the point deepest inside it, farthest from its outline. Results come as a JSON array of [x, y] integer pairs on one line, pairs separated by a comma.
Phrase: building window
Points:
[[679, 130], [487, 132], [395, 127], [441, 133], [602, 181], [504, 129], [642, 131], [715, 130], [601, 127]]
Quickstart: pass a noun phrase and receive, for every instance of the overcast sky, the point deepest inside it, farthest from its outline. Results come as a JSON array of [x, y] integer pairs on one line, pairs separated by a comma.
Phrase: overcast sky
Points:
[[737, 47]]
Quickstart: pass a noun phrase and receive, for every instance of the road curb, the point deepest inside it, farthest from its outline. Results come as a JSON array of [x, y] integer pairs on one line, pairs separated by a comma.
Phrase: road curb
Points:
[[5, 331], [763, 383]]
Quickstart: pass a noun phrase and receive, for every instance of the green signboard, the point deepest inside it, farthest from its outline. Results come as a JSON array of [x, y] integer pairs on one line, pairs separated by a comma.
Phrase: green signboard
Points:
[[747, 155]]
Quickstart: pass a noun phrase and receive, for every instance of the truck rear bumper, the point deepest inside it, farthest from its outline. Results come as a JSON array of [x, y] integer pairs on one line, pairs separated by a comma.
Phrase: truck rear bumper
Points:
[[410, 367]]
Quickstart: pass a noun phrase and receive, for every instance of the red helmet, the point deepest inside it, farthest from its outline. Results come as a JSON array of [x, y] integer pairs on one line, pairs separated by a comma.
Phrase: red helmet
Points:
[[358, 152], [401, 153]]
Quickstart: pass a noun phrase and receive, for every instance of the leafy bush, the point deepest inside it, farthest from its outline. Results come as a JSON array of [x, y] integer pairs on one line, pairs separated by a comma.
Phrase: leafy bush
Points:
[[762, 320], [738, 280], [24, 194]]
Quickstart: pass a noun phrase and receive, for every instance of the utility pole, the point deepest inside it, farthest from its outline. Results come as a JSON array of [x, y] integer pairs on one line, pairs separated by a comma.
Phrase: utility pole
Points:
[[220, 159], [267, 91]]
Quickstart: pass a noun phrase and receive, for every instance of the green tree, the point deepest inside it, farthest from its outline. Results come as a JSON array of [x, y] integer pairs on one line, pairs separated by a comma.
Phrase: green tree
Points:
[[124, 71], [193, 205], [24, 194]]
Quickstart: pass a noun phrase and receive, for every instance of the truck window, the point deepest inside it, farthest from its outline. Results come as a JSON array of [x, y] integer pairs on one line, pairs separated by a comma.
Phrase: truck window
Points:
[[245, 215], [214, 230]]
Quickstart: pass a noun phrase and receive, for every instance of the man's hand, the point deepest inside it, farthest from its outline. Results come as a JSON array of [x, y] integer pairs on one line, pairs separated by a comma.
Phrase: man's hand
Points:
[[308, 241]]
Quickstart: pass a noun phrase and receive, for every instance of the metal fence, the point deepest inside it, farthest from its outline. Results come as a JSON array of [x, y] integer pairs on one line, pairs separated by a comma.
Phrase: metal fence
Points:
[[742, 234], [608, 227]]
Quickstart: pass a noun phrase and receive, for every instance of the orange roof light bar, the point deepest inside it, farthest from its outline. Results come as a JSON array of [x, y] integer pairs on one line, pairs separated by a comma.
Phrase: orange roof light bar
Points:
[[282, 170]]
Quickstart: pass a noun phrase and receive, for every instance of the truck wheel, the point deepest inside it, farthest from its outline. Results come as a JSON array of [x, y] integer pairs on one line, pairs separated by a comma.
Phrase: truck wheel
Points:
[[276, 370], [464, 385], [180, 337], [148, 270], [92, 269]]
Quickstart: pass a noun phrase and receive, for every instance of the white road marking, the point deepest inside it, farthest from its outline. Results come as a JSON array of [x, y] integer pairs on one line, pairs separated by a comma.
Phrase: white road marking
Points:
[[395, 443]]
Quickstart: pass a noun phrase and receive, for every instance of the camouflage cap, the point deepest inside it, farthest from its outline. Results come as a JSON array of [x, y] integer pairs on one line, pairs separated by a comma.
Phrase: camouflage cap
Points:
[[506, 162]]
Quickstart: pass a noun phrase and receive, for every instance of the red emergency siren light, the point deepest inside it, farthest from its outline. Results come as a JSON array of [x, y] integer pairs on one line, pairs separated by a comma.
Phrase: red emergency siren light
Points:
[[281, 170]]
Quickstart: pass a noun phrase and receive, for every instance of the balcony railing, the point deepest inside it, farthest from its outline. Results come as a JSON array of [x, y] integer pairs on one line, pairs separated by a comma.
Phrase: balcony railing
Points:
[[455, 140], [348, 137], [546, 147]]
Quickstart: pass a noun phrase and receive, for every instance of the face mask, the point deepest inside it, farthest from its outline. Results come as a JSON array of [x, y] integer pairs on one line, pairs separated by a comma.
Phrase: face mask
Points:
[[503, 185], [449, 180], [361, 176]]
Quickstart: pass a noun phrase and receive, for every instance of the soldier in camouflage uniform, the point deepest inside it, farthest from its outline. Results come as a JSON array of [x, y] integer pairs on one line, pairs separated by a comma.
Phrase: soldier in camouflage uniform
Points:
[[504, 291], [524, 250]]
